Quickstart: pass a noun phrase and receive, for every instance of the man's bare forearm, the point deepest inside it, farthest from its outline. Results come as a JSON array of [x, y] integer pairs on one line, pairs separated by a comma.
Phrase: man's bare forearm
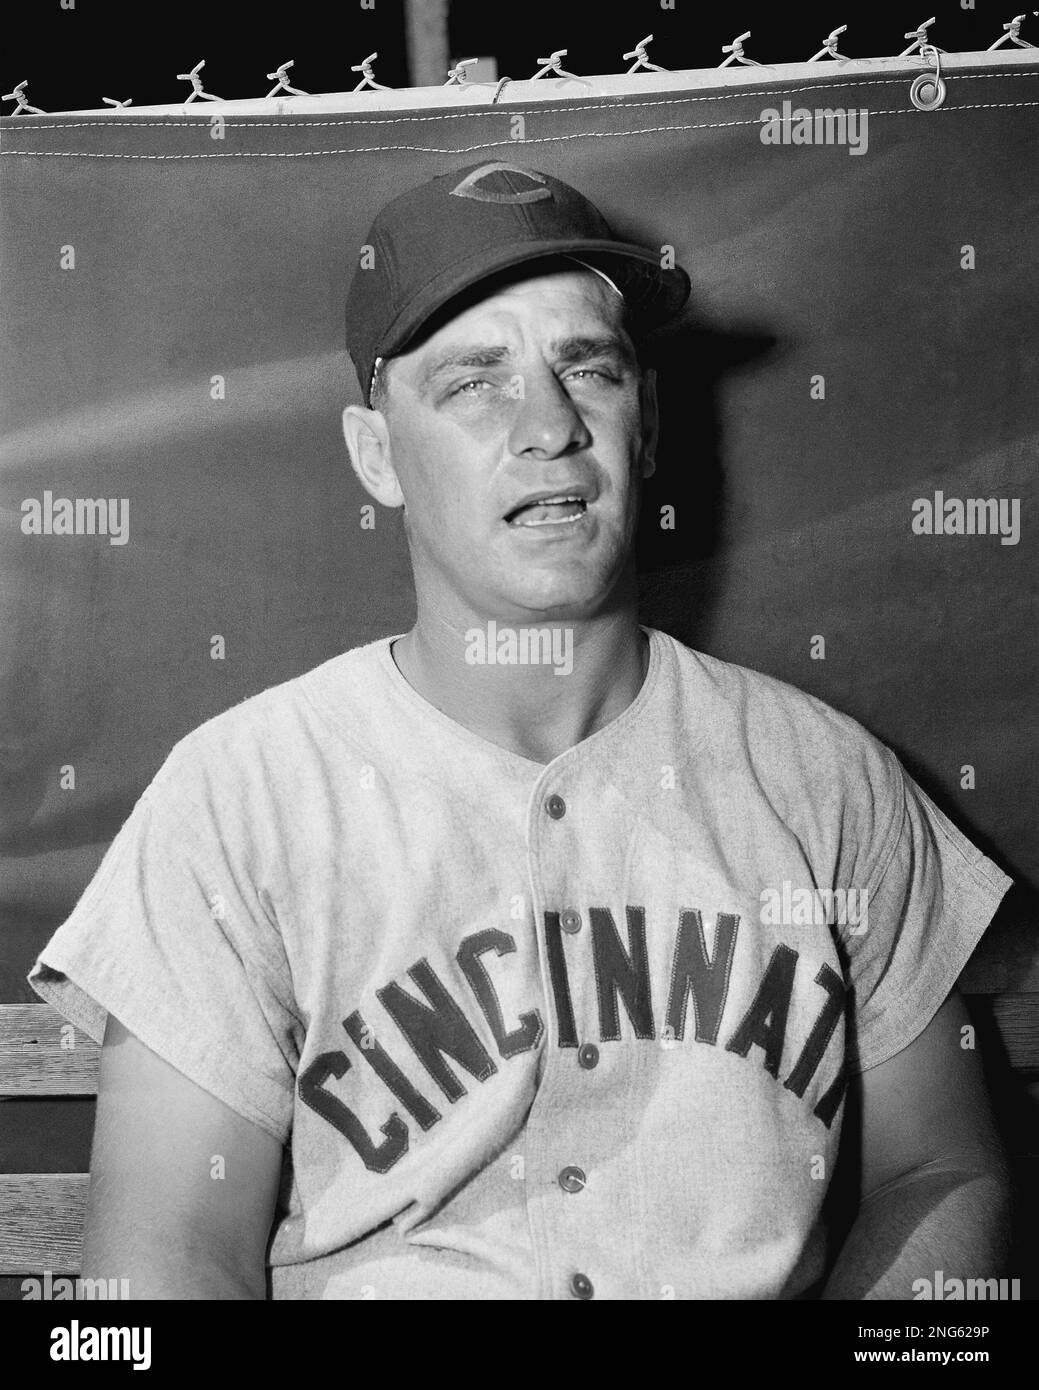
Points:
[[187, 1277], [948, 1216], [153, 1263]]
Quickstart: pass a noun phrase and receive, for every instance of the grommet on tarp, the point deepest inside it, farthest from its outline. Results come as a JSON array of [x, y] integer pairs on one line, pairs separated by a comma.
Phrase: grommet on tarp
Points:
[[920, 39], [111, 101], [554, 64], [928, 90], [736, 53], [281, 76], [196, 84], [23, 107], [1012, 34], [368, 76], [830, 47], [642, 63]]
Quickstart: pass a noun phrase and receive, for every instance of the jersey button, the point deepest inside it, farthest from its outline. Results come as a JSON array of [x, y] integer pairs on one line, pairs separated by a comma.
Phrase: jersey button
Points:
[[570, 920], [581, 1286], [572, 1179], [556, 807], [588, 1056]]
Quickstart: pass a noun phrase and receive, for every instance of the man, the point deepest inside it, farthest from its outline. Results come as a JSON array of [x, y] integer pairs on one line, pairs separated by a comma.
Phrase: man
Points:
[[530, 953]]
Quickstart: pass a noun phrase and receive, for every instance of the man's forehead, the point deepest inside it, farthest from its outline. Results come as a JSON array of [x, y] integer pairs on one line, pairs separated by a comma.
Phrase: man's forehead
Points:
[[550, 315]]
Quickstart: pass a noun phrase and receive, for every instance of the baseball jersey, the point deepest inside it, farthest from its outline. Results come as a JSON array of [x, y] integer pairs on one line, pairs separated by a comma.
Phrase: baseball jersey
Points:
[[575, 1030]]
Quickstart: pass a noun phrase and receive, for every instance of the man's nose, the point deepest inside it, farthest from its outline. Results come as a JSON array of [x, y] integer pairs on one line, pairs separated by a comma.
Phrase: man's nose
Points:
[[546, 422]]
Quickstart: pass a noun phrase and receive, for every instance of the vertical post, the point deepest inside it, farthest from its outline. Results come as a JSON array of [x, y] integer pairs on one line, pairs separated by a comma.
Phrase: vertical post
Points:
[[427, 42]]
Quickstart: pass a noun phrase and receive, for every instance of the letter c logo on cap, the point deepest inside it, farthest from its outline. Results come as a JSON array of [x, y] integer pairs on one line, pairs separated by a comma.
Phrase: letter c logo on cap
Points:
[[486, 185]]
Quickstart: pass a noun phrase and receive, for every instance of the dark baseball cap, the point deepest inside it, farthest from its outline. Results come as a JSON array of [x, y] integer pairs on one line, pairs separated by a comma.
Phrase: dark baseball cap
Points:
[[437, 240]]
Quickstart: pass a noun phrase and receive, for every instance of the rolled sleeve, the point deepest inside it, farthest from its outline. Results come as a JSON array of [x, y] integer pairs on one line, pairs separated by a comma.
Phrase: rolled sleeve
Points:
[[933, 898], [172, 939]]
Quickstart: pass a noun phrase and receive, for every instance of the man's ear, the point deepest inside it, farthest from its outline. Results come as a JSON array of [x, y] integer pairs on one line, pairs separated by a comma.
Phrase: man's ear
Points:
[[650, 421], [368, 442]]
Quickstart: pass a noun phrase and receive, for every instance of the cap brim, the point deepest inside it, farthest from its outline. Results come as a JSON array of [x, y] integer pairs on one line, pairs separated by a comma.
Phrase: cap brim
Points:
[[653, 294]]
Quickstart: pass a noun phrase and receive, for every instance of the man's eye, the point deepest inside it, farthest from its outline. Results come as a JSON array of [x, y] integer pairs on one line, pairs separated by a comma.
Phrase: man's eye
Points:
[[464, 388], [591, 371]]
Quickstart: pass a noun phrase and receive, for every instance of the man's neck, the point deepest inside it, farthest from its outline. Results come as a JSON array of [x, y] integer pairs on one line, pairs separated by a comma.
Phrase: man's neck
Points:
[[532, 696]]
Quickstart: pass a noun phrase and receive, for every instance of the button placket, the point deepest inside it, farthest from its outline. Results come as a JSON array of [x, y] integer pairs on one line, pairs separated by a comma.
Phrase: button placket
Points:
[[557, 1243]]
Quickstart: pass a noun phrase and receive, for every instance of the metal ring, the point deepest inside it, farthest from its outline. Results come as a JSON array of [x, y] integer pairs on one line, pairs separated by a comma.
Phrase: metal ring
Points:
[[938, 90], [933, 80]]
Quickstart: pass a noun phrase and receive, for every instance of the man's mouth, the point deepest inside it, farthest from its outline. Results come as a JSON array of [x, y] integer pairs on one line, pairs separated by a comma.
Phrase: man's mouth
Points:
[[549, 511]]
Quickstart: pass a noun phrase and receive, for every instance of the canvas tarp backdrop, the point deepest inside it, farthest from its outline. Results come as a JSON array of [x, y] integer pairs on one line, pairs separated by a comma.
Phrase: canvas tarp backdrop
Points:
[[863, 335]]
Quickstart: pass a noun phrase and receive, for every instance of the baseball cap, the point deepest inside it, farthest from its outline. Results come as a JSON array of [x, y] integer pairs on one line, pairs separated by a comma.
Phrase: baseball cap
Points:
[[436, 241]]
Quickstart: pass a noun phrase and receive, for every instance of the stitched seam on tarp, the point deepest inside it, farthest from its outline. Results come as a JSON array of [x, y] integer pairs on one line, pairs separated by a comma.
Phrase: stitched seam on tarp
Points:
[[619, 102], [485, 145]]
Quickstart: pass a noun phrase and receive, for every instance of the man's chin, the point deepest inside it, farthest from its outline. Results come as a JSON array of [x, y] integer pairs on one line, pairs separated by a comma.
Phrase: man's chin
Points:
[[578, 600]]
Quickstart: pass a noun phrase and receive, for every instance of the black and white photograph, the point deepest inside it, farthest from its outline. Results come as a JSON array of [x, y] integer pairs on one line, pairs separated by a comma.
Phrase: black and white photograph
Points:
[[519, 684]]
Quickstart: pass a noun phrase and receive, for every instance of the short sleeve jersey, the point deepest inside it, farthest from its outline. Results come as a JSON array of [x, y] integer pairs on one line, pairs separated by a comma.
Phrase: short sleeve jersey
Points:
[[531, 1031]]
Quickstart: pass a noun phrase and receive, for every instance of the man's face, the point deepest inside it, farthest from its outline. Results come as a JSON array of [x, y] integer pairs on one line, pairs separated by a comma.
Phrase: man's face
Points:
[[534, 392]]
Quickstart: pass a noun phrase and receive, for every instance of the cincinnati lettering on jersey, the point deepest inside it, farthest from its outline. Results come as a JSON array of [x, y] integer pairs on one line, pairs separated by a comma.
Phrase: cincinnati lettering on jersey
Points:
[[437, 1027]]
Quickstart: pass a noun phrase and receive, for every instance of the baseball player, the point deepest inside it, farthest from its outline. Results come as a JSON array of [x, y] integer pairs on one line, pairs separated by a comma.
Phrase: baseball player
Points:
[[530, 953]]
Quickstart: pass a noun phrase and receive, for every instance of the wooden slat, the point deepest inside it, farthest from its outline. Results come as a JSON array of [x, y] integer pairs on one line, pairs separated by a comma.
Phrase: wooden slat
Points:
[[33, 1060], [1016, 1018], [1007, 958], [41, 1222]]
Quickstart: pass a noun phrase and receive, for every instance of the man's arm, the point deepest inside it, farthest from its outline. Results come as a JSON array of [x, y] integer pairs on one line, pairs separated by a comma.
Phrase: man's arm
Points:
[[159, 1214], [934, 1187]]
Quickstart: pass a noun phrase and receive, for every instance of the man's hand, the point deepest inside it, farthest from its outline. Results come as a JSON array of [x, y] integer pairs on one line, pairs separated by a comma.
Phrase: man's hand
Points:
[[934, 1190], [156, 1214]]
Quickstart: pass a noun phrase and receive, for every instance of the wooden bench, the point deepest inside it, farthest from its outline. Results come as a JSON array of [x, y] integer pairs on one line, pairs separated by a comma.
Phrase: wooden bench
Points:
[[41, 1214]]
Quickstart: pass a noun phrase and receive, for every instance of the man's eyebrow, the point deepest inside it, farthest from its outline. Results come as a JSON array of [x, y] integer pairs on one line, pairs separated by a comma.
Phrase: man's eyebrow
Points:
[[582, 349], [577, 348], [469, 357]]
